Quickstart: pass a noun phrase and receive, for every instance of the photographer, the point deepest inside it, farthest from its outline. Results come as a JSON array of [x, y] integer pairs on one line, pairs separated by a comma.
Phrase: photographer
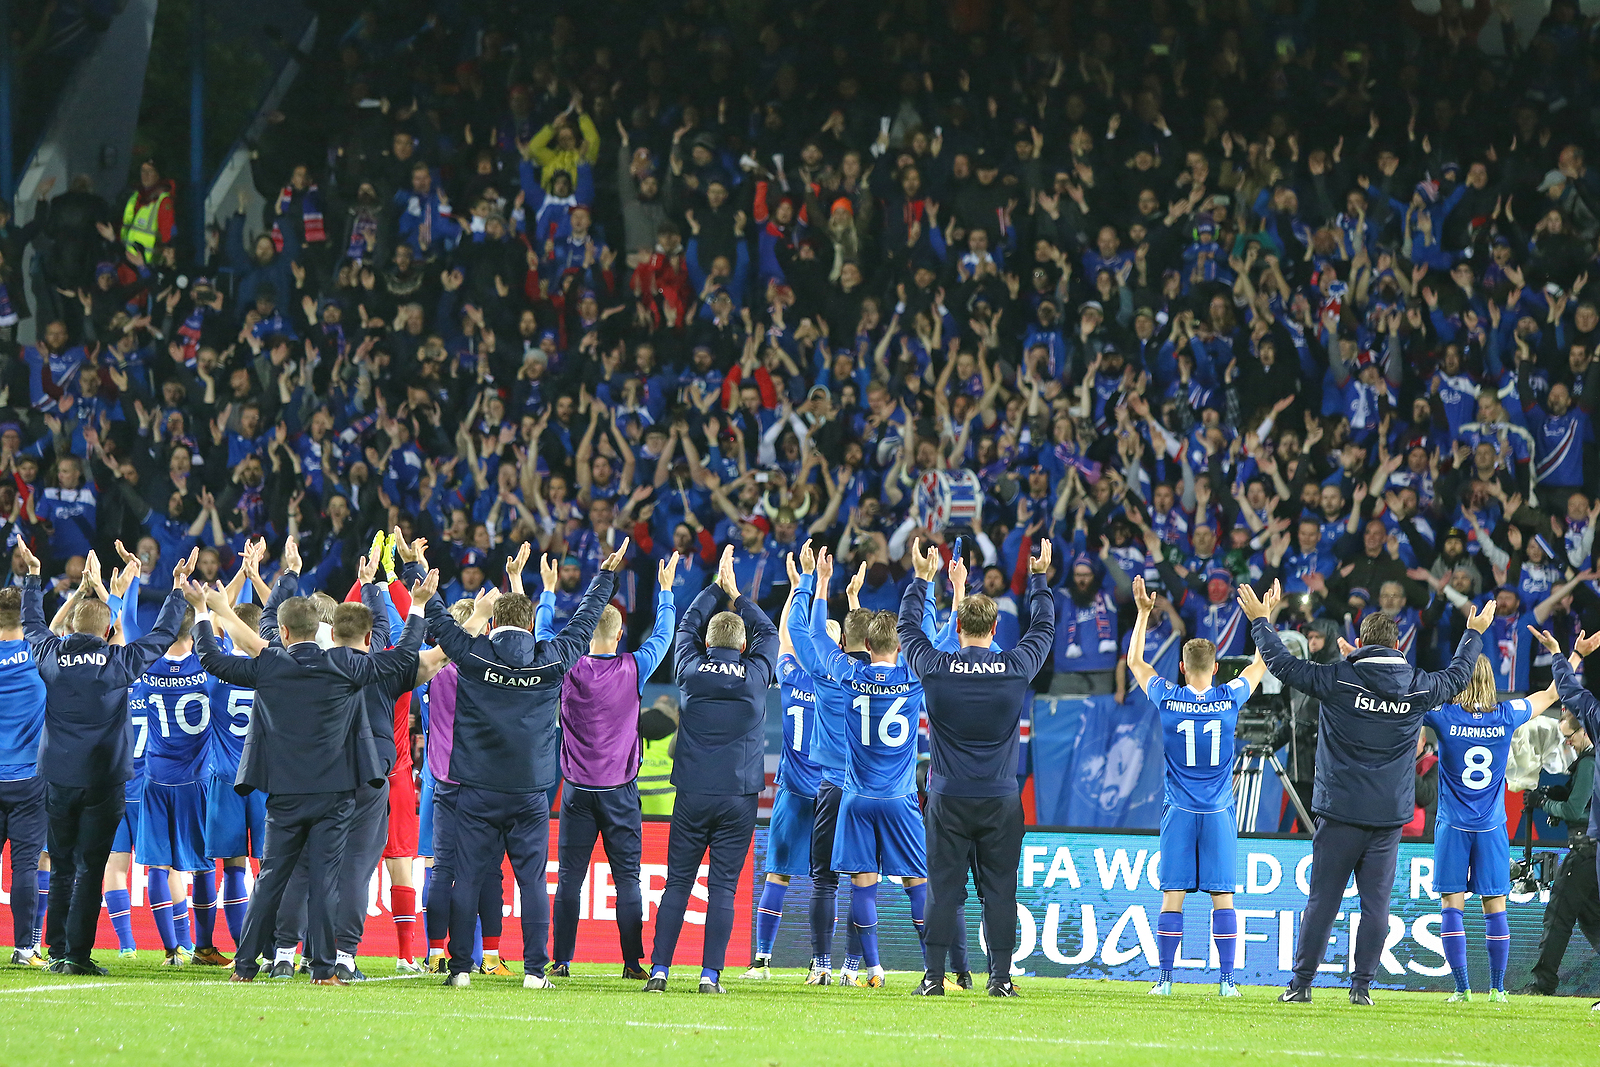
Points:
[[1575, 894]]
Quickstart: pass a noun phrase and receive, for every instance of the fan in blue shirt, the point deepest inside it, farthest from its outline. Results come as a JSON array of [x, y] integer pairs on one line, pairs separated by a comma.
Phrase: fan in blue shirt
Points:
[[794, 808], [880, 826], [1199, 834], [1471, 850]]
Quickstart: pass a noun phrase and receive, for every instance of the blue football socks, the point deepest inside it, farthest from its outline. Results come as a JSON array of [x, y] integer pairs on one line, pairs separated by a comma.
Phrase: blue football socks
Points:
[[1497, 935], [159, 894], [1453, 932], [1225, 932], [119, 905], [235, 901], [1169, 937], [769, 913], [864, 920], [205, 908]]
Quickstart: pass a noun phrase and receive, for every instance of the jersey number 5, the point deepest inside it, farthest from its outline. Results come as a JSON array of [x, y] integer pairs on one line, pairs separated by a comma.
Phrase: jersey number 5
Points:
[[1212, 727], [893, 729]]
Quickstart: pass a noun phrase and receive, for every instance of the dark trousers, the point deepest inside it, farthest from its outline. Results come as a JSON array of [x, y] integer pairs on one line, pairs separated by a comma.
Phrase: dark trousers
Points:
[[489, 825], [1574, 900], [1338, 850], [317, 824], [613, 815], [984, 835], [700, 823], [82, 825], [364, 844], [23, 823], [490, 897]]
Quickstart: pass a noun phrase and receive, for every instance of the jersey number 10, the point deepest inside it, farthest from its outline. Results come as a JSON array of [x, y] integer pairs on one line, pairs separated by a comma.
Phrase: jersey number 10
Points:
[[1212, 727]]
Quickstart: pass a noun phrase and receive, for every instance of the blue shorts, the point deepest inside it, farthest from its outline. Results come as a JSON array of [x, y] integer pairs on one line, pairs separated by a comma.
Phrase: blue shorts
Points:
[[1471, 861], [172, 828], [880, 835], [1199, 851], [235, 825], [425, 817], [789, 834], [128, 828]]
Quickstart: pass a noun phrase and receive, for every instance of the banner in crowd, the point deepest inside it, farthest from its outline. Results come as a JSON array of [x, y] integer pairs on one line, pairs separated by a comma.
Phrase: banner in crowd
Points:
[[1103, 761], [1087, 906], [597, 928]]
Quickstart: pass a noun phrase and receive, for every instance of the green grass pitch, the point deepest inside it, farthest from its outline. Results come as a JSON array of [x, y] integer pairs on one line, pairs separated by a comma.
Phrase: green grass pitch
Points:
[[145, 1013]]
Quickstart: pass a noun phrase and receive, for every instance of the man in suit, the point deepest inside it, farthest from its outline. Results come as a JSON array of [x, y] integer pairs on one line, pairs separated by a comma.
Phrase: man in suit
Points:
[[84, 757], [718, 768], [309, 749], [504, 754]]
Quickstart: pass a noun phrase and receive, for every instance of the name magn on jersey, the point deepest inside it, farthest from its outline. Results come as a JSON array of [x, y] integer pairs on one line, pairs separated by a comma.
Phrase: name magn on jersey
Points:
[[797, 771], [1197, 740], [174, 697], [1473, 753]]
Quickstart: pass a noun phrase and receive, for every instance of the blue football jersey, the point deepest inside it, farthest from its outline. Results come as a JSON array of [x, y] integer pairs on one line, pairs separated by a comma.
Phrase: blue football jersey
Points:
[[175, 697], [230, 722], [797, 771], [1197, 738], [883, 707], [1473, 753]]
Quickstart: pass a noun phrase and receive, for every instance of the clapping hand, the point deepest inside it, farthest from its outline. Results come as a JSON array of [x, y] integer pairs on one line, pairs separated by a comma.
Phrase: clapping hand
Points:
[[185, 567], [367, 569], [1041, 563], [1479, 620], [1256, 607], [29, 560], [1142, 598], [424, 590], [193, 592], [291, 556], [725, 579], [614, 561], [549, 572], [824, 571], [668, 569], [926, 565], [514, 567]]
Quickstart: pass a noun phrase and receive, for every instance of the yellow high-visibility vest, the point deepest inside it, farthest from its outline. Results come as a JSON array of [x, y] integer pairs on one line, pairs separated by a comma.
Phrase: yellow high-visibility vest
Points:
[[141, 224], [656, 791]]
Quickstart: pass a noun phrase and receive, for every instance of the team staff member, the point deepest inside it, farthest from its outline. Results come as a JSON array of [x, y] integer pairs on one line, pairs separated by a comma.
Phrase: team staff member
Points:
[[84, 759], [1571, 902], [600, 750], [309, 748], [1372, 706], [504, 754], [22, 818], [719, 767], [974, 701]]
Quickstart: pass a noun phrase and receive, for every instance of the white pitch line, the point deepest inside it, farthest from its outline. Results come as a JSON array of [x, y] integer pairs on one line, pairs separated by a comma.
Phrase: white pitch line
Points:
[[65, 987], [1065, 1042]]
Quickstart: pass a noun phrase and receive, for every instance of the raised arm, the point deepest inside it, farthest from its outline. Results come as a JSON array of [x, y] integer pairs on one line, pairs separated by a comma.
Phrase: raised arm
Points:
[[1144, 601], [654, 649], [573, 640], [687, 642], [241, 671], [1443, 685], [1313, 679]]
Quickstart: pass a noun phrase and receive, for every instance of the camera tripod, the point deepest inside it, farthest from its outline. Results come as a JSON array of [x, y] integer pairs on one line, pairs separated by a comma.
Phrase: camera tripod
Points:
[[1250, 762]]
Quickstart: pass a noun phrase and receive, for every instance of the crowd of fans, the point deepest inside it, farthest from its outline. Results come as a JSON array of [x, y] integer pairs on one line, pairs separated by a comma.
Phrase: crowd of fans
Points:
[[1167, 282]]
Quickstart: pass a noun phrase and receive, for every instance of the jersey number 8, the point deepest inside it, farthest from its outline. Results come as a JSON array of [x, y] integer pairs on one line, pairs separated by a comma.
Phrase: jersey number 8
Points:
[[1475, 773], [894, 729]]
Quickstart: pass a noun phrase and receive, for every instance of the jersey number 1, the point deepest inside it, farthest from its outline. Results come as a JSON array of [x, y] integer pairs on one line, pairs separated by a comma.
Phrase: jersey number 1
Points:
[[1212, 727]]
